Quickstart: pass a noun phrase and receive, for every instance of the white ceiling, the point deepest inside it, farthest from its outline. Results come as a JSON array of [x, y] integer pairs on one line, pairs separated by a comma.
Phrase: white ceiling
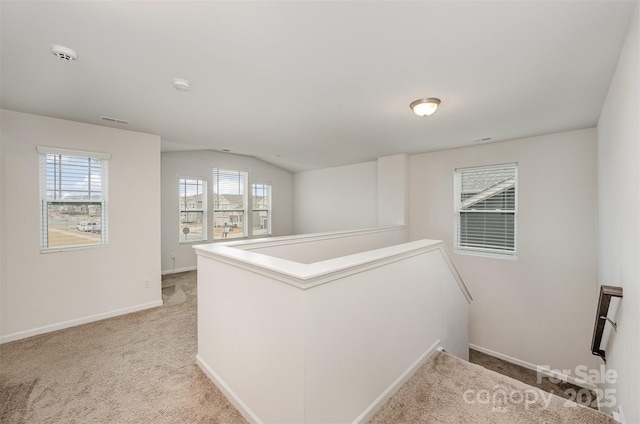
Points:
[[306, 84]]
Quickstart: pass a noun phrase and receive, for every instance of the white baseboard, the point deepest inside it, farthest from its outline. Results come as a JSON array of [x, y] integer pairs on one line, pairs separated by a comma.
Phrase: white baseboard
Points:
[[528, 365], [175, 271], [242, 407], [370, 411], [364, 417], [79, 321]]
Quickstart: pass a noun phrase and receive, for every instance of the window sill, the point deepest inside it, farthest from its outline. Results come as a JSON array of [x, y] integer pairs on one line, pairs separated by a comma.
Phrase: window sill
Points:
[[72, 248], [219, 240], [222, 240], [193, 242], [493, 255]]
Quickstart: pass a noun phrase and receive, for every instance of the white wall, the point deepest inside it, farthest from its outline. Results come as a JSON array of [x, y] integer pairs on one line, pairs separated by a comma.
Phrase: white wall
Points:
[[339, 336], [251, 335], [619, 219], [332, 199], [393, 190], [365, 331], [43, 292], [3, 180], [307, 249], [201, 164], [539, 308]]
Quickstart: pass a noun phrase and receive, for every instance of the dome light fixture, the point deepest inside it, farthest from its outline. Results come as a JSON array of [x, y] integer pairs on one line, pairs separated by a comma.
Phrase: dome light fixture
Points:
[[425, 107]]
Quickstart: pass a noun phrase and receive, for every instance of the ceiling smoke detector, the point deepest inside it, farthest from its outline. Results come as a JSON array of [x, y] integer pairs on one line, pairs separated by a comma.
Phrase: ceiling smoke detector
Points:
[[64, 53], [181, 84]]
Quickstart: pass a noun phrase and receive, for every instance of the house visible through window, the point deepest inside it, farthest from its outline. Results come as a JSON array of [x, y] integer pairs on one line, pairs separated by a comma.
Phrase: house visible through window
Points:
[[229, 203], [261, 197], [73, 198], [193, 210], [486, 210]]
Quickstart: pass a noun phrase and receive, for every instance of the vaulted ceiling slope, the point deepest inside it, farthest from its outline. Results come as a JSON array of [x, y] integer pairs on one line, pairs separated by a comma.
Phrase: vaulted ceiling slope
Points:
[[306, 84]]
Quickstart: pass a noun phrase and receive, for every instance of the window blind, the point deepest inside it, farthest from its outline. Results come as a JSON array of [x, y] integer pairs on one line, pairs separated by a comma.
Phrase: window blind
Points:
[[486, 207], [261, 217], [193, 209], [229, 203], [73, 196]]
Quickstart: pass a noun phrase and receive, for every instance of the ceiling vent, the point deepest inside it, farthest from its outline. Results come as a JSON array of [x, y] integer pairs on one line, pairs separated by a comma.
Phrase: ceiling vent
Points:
[[116, 120], [64, 53]]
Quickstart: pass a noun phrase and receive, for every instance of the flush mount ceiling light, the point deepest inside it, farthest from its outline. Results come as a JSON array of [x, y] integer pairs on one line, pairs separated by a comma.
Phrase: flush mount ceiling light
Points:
[[64, 53], [425, 107], [181, 84]]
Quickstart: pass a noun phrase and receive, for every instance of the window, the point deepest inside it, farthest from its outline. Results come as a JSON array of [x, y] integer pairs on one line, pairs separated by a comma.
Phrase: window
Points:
[[486, 210], [73, 199], [261, 198], [193, 210], [229, 203]]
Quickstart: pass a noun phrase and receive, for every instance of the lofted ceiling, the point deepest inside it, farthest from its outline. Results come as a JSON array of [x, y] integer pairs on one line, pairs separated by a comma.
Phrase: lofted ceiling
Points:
[[311, 84]]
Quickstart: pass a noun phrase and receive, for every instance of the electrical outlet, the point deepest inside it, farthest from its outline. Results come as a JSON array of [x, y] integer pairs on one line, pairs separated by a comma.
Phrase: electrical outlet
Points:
[[147, 284]]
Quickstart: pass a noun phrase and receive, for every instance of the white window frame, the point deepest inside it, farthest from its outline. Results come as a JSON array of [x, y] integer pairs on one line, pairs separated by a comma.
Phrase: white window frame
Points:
[[103, 158], [246, 220], [268, 209], [203, 182], [484, 251]]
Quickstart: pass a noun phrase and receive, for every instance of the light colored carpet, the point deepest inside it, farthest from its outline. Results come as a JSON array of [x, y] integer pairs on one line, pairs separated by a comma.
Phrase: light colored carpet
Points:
[[561, 388], [137, 368], [140, 368], [446, 389]]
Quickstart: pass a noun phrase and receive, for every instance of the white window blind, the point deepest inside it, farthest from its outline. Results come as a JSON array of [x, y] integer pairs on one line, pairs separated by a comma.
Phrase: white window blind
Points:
[[486, 209], [193, 210], [73, 199], [229, 203], [261, 217]]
